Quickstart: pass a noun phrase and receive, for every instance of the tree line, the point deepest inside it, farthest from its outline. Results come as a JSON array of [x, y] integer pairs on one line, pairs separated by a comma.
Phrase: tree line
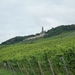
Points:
[[60, 29], [52, 32]]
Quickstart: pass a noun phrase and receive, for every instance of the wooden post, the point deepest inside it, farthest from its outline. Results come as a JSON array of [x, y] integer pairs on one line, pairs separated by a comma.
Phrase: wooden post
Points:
[[20, 68], [13, 69], [65, 66], [5, 65], [42, 73], [31, 68], [9, 66], [25, 69], [51, 67]]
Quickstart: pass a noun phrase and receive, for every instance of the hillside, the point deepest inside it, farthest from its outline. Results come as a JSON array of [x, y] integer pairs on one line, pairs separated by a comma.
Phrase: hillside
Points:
[[59, 30], [54, 47], [50, 33]]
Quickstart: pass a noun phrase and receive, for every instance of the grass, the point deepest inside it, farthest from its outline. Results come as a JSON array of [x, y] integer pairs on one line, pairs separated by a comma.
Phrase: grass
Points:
[[5, 72]]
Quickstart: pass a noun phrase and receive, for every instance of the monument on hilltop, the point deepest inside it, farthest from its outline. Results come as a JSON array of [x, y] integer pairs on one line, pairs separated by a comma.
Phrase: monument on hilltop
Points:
[[41, 34], [42, 29]]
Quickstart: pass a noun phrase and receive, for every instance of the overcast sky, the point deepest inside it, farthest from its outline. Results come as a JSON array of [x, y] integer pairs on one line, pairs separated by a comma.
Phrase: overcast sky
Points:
[[24, 17]]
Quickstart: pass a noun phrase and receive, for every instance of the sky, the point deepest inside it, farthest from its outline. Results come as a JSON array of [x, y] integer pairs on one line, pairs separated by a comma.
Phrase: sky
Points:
[[26, 17]]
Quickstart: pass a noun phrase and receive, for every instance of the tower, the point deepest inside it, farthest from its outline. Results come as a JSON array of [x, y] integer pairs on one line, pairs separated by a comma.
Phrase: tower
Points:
[[42, 29], [42, 32]]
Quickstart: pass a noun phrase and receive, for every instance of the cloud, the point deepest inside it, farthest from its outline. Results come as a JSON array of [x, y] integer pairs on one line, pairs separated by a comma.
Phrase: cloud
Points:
[[24, 17]]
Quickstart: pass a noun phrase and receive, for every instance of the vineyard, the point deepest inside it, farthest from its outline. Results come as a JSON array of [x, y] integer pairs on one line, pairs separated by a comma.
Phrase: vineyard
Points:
[[54, 49]]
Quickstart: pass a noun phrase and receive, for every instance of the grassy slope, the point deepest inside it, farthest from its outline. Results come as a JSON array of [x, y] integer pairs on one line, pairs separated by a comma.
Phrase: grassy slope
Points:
[[38, 48], [54, 47]]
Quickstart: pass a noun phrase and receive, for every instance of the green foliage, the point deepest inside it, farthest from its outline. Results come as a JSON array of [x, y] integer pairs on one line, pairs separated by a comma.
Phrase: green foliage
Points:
[[53, 49], [52, 32], [4, 72], [46, 48], [60, 30], [13, 40], [42, 49]]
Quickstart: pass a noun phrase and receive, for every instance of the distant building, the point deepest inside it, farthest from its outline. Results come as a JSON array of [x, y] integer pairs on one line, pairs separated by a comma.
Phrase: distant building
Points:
[[42, 32], [37, 36]]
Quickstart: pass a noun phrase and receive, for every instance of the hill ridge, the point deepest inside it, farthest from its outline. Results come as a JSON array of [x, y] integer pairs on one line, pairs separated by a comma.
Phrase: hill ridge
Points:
[[52, 32]]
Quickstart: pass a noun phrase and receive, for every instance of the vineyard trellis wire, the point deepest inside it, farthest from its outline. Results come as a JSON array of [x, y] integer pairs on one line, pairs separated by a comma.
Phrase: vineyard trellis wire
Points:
[[22, 69]]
